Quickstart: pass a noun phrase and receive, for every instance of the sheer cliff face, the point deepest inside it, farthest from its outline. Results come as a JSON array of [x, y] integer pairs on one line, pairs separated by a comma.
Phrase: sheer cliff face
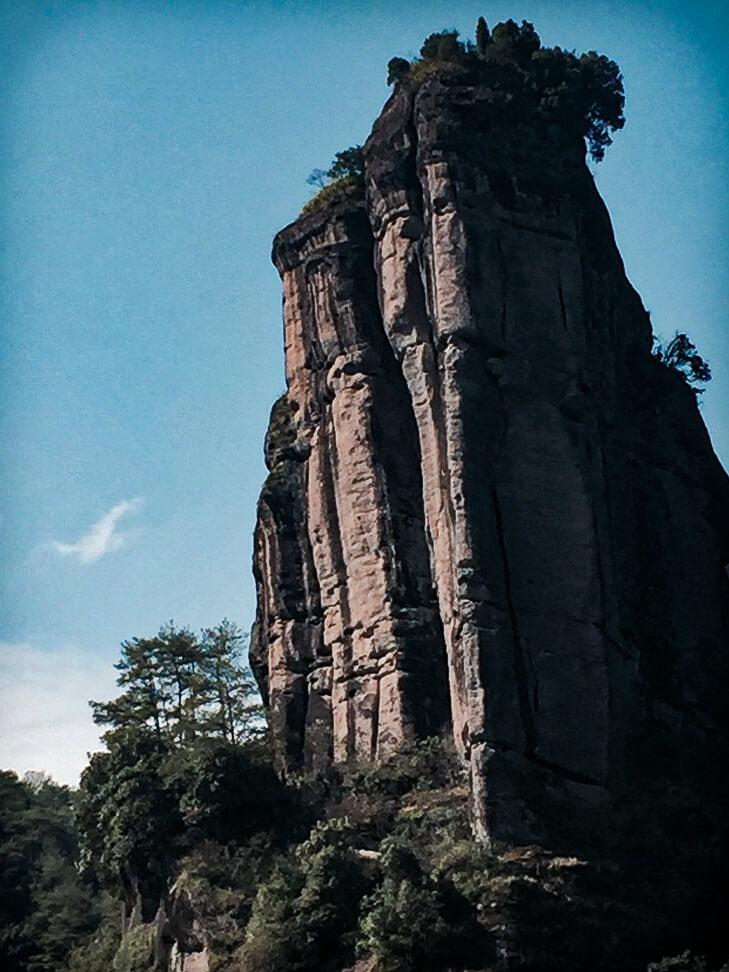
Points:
[[489, 508]]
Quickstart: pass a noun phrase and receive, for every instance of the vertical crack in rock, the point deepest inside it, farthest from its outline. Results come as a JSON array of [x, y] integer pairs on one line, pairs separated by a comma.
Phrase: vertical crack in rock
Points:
[[503, 273], [562, 305], [520, 668]]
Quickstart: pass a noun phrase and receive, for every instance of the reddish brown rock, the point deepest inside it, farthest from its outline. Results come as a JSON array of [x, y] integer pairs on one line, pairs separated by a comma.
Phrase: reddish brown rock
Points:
[[348, 640], [489, 505]]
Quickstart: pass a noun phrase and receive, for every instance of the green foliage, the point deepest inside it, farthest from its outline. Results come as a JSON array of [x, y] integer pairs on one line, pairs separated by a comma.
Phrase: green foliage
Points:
[[582, 94], [464, 864], [220, 882], [679, 354], [371, 795], [17, 857], [333, 192], [344, 179], [397, 69], [136, 950], [423, 765], [442, 46], [430, 868], [226, 792], [685, 962], [402, 925], [600, 101], [64, 913], [182, 764], [182, 687], [97, 954], [270, 936], [129, 816], [281, 433], [390, 871], [45, 907], [348, 164], [451, 70], [144, 804], [483, 37], [416, 803], [305, 915]]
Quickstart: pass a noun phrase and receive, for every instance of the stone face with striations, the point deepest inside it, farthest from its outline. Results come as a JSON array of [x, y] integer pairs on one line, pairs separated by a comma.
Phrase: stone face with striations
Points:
[[348, 640], [490, 507]]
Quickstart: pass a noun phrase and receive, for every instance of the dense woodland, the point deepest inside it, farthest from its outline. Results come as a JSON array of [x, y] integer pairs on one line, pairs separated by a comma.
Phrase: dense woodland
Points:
[[181, 830]]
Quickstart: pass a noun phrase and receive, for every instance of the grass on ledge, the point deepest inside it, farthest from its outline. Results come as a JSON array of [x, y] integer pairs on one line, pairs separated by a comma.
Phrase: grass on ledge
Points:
[[344, 188]]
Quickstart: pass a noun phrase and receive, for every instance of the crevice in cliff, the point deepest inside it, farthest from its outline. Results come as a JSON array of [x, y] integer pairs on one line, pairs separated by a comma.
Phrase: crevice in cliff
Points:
[[503, 274], [412, 164], [329, 467], [375, 724], [556, 768], [520, 672], [397, 445], [316, 357], [563, 772], [563, 309]]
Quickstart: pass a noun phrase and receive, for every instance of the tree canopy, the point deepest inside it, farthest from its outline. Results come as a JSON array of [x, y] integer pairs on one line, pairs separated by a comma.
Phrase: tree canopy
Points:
[[174, 764], [679, 354], [582, 93], [344, 177], [182, 687], [46, 906], [183, 764]]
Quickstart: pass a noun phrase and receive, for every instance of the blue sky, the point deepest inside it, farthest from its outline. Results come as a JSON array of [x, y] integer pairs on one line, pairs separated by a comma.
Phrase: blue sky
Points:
[[150, 153]]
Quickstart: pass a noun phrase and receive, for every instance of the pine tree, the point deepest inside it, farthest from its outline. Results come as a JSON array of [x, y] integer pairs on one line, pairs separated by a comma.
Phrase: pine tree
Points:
[[182, 688], [483, 37], [229, 684], [143, 704]]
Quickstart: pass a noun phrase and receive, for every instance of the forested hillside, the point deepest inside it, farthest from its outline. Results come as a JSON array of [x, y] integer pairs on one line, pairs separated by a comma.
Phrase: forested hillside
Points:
[[183, 842]]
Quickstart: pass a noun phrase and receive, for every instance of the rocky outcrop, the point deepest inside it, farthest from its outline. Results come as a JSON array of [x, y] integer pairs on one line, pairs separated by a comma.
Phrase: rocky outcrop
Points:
[[489, 506], [179, 938], [348, 642]]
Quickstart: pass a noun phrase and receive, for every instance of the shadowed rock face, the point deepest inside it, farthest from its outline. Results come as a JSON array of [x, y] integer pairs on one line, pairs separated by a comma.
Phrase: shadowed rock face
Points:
[[489, 506]]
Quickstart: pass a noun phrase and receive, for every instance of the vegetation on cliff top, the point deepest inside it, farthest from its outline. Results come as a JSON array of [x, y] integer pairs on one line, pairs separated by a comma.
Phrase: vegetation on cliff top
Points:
[[582, 93], [343, 179]]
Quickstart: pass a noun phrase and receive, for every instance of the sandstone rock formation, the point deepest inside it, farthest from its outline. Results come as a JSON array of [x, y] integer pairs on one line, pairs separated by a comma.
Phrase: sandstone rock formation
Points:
[[490, 508]]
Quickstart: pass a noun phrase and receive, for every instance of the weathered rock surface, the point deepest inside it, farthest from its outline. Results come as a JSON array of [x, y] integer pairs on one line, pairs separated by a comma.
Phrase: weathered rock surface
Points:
[[180, 944], [489, 506], [348, 641]]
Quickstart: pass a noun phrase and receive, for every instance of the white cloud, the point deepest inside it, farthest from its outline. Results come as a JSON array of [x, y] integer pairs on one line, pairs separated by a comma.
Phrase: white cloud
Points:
[[102, 538], [45, 719]]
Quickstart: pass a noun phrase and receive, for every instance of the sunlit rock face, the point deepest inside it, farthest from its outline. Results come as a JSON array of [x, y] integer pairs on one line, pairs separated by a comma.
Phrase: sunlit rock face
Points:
[[490, 509], [348, 641]]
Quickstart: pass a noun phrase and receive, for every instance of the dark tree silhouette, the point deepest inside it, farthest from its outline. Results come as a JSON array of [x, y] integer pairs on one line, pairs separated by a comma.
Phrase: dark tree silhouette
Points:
[[582, 94], [397, 68], [348, 164], [680, 355], [483, 37], [442, 46]]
